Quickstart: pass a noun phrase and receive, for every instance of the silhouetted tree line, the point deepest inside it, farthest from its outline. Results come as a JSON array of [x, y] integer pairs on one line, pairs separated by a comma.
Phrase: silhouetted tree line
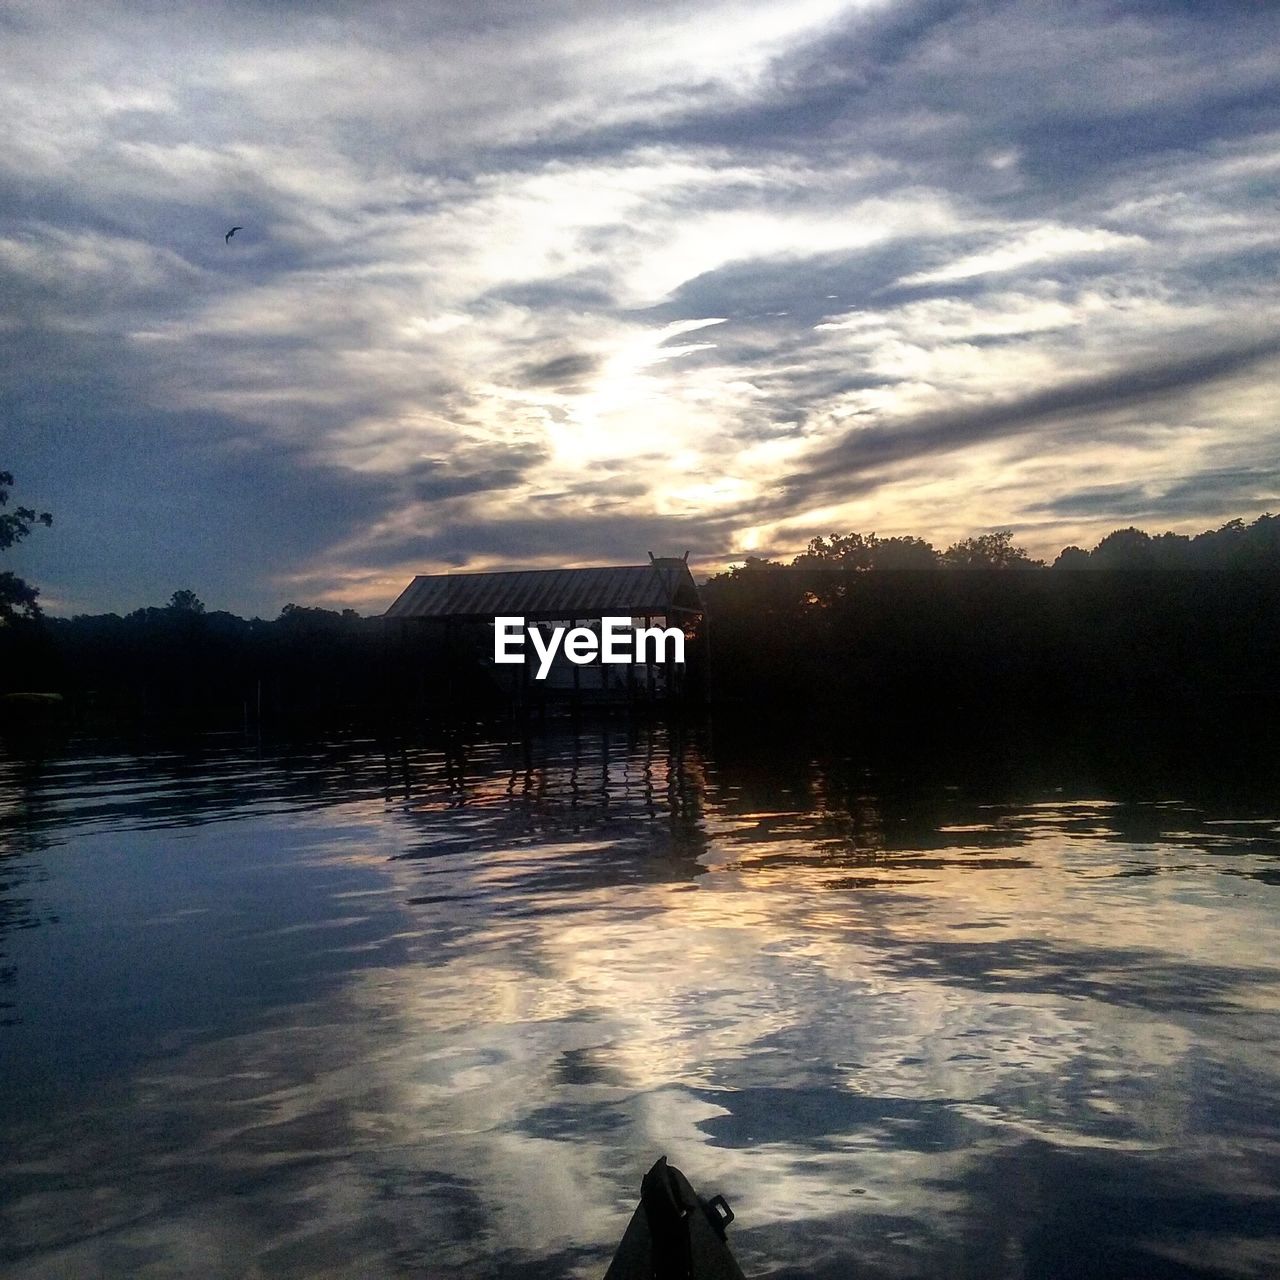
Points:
[[1234, 546], [185, 664], [852, 623]]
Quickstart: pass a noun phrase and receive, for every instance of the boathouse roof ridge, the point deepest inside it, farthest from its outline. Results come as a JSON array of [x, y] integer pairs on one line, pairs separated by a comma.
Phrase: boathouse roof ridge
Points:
[[664, 586]]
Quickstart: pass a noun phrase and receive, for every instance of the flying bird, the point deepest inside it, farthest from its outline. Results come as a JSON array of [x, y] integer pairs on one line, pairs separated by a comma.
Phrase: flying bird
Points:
[[227, 238]]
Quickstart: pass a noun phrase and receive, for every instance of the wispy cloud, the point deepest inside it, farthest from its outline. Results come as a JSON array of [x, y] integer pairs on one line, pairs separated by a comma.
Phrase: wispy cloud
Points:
[[546, 284]]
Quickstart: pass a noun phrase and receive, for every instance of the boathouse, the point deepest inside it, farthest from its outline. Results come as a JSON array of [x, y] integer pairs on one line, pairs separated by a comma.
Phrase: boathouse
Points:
[[455, 612]]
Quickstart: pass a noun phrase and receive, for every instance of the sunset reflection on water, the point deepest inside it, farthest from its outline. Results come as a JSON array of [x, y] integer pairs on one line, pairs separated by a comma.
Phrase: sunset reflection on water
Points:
[[341, 1011]]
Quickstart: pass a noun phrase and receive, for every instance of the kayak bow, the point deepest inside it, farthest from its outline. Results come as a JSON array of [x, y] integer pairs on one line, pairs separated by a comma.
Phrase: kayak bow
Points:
[[674, 1233]]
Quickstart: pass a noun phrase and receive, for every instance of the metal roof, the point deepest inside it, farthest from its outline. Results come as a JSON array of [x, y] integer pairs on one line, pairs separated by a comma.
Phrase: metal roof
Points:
[[559, 594]]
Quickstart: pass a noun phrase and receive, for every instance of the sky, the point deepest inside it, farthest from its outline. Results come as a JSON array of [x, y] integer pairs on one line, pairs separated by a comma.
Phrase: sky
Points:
[[533, 284]]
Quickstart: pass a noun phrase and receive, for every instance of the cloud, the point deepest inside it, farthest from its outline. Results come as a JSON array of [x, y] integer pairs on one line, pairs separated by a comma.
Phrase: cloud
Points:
[[1077, 402], [1039, 245], [740, 271], [1209, 494], [559, 370]]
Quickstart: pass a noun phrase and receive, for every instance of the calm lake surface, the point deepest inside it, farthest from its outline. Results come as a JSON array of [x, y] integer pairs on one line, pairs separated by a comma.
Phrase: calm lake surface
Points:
[[984, 1008]]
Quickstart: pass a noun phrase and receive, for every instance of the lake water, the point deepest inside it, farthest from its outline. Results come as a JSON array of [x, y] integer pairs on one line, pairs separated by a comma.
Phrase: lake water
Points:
[[966, 1008]]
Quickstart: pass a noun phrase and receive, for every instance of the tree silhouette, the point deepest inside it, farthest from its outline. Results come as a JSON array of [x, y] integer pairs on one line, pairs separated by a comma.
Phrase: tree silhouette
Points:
[[1233, 546], [904, 553], [839, 551], [994, 550], [1124, 549], [185, 602], [866, 551], [17, 598], [1072, 558]]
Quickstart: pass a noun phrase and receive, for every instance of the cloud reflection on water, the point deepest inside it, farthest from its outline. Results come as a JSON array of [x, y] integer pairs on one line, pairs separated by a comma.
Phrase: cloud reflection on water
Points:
[[913, 1026]]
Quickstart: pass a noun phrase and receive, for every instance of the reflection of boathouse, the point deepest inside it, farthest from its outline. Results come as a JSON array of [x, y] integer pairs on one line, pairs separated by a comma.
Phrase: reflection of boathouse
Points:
[[452, 614]]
